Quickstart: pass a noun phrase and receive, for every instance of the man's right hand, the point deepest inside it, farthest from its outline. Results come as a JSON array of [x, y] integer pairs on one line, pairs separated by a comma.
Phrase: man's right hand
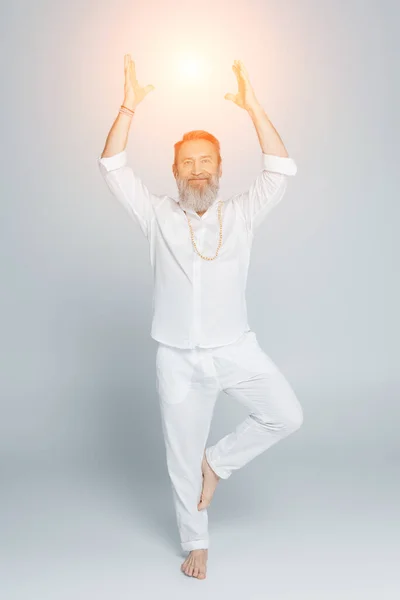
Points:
[[134, 94]]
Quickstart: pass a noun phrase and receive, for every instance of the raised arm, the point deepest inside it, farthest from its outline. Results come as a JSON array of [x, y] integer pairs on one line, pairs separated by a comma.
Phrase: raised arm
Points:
[[133, 94], [124, 184], [270, 185]]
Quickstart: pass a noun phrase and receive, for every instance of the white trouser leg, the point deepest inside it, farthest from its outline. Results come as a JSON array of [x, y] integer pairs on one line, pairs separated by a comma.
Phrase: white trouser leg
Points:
[[187, 394], [249, 375]]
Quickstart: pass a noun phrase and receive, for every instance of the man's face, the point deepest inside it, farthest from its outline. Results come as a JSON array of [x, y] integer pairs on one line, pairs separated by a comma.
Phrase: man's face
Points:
[[197, 175]]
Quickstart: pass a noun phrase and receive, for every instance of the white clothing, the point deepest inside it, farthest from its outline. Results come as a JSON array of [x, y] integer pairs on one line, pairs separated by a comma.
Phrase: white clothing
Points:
[[188, 383], [205, 342], [198, 303]]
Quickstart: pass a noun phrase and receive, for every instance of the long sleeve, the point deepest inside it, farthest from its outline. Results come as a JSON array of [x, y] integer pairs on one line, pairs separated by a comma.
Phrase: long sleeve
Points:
[[267, 190], [128, 188]]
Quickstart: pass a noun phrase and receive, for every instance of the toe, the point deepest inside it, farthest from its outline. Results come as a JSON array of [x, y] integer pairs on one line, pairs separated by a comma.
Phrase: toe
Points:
[[185, 566]]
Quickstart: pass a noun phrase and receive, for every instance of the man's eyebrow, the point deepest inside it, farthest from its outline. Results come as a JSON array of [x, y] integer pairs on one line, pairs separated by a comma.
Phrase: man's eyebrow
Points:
[[202, 156]]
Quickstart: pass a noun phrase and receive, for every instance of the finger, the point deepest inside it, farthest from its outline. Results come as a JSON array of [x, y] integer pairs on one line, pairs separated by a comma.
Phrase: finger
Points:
[[149, 88], [132, 64], [230, 97], [243, 69], [243, 72], [237, 71]]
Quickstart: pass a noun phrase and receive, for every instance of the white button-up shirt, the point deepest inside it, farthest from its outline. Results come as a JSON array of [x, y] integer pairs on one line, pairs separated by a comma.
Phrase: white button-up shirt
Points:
[[198, 302]]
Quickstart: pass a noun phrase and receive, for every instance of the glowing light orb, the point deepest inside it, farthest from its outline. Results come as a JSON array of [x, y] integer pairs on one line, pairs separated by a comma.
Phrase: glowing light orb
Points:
[[191, 69]]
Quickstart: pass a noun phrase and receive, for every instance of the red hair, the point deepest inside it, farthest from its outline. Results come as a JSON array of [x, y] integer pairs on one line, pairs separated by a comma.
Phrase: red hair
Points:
[[197, 134]]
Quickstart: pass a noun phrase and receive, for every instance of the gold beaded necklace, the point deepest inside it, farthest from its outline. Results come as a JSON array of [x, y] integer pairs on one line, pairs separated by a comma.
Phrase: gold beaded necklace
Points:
[[220, 202]]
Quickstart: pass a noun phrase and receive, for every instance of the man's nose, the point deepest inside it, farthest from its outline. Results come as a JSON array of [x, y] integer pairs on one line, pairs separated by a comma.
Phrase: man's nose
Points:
[[197, 169], [198, 173]]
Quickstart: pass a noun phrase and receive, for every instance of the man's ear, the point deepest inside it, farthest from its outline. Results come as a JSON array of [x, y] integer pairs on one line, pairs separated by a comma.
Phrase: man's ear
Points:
[[173, 171]]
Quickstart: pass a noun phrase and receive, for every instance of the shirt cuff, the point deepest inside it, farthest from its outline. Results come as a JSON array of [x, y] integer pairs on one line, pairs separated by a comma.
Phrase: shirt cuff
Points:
[[114, 162], [279, 164]]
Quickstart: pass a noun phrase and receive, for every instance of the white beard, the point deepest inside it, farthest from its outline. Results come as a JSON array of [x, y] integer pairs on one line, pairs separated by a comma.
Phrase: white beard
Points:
[[197, 196]]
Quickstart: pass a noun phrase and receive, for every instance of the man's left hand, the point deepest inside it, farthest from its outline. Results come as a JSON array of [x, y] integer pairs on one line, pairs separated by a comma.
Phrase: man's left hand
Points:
[[245, 98]]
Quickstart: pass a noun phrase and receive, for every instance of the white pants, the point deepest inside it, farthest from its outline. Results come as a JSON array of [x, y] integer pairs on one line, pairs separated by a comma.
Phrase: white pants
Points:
[[188, 383]]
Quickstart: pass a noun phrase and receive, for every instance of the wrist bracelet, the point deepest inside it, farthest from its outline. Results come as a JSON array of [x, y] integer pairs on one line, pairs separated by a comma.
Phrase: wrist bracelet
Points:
[[127, 111]]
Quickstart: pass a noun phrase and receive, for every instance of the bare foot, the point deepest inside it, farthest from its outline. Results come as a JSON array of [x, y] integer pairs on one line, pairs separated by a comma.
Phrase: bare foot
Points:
[[210, 480], [195, 564]]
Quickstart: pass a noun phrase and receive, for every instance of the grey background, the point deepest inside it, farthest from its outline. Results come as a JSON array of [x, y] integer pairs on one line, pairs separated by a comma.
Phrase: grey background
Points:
[[86, 507]]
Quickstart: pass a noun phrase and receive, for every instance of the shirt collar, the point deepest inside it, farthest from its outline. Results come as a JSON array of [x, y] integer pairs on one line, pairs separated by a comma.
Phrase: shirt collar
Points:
[[192, 212]]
